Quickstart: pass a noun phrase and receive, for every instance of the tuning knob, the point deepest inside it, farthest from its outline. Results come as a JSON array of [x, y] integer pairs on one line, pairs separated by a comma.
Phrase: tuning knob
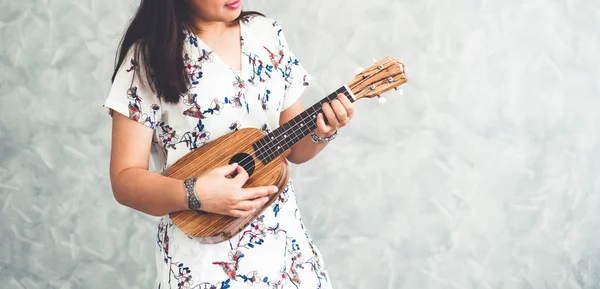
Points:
[[374, 60], [359, 70], [399, 91], [381, 100]]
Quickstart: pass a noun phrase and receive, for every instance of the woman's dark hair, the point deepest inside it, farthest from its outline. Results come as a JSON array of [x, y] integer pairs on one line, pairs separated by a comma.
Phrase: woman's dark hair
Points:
[[157, 33]]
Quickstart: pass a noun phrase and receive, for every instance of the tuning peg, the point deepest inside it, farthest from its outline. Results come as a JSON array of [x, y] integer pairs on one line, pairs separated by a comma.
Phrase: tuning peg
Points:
[[381, 100], [374, 60], [359, 70], [399, 91]]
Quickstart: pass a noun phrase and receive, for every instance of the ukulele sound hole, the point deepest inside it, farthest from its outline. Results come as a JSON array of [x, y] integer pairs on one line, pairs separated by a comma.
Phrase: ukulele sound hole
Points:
[[245, 161]]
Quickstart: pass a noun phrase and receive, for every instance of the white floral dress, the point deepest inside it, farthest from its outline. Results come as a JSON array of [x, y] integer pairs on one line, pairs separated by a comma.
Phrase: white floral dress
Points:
[[274, 251]]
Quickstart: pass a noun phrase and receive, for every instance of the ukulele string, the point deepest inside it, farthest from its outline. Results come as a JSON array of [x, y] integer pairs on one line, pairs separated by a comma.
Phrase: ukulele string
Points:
[[292, 130], [295, 130]]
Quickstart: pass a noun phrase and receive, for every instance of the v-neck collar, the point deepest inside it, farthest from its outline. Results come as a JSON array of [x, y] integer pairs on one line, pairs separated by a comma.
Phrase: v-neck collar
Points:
[[217, 58]]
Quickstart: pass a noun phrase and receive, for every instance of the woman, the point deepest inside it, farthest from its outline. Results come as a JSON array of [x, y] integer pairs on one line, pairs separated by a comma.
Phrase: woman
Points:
[[188, 72]]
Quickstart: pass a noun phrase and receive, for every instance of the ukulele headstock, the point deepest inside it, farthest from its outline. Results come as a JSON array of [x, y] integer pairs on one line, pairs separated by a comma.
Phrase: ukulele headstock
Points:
[[379, 78]]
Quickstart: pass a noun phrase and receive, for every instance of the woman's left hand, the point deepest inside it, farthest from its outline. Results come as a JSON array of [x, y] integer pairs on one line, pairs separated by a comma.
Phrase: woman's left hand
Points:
[[338, 114]]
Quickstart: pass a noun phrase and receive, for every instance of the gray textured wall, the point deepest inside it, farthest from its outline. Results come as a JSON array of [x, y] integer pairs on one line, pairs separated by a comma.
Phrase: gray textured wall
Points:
[[483, 175]]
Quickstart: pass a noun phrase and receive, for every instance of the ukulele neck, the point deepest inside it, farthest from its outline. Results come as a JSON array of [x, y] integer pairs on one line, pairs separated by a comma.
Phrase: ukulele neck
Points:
[[284, 137]]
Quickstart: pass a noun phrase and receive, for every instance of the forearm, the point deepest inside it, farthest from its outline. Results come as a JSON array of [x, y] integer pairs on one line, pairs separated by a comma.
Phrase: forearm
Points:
[[338, 113], [149, 192], [305, 150]]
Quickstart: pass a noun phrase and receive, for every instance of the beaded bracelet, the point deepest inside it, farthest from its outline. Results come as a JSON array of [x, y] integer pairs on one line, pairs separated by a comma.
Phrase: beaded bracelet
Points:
[[318, 139]]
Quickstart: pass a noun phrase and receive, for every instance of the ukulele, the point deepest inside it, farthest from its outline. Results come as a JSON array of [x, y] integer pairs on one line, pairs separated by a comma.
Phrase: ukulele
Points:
[[263, 156]]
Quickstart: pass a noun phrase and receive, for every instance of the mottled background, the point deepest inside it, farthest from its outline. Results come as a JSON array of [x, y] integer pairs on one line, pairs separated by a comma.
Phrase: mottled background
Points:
[[484, 174]]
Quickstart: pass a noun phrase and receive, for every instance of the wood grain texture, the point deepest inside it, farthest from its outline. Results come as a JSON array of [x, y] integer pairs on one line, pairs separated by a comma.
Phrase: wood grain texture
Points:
[[379, 78], [214, 228]]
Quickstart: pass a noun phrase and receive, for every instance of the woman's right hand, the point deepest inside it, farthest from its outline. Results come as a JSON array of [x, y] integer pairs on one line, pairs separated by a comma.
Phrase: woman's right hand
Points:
[[222, 195]]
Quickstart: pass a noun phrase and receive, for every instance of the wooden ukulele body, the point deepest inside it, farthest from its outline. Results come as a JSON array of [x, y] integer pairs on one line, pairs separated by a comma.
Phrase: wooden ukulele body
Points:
[[230, 148]]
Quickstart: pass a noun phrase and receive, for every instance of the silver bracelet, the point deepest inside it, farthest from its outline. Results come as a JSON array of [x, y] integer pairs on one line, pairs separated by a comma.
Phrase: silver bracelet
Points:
[[317, 139], [193, 202]]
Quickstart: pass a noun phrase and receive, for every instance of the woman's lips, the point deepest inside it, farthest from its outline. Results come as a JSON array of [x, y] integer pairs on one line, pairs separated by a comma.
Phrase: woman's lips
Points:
[[235, 4]]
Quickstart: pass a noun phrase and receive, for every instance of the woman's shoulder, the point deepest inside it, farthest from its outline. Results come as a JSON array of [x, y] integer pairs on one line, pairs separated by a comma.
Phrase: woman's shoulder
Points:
[[262, 24]]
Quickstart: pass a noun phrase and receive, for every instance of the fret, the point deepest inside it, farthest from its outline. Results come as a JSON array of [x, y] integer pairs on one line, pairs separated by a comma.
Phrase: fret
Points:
[[286, 129], [296, 136], [273, 142], [293, 129], [305, 129], [258, 144], [259, 153], [257, 149], [292, 122], [266, 147]]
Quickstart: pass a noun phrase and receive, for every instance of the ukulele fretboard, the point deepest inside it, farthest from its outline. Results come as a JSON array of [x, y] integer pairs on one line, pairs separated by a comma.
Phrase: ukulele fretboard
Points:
[[284, 137]]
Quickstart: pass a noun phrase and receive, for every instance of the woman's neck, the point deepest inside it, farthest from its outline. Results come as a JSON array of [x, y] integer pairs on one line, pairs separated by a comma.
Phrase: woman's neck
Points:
[[211, 29]]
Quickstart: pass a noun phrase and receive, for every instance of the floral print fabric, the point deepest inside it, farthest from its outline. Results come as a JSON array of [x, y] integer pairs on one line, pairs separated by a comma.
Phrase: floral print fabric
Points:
[[275, 251]]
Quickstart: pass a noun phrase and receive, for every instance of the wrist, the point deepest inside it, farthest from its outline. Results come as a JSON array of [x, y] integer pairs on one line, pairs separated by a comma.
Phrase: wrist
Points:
[[324, 135], [192, 202], [322, 139], [183, 199]]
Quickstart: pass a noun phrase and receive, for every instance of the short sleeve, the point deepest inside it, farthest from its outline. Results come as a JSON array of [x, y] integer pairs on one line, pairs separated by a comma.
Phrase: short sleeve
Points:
[[296, 77], [131, 96]]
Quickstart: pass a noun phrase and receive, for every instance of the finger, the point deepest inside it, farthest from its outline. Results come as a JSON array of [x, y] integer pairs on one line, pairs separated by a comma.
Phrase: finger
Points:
[[250, 205], [340, 111], [342, 96], [227, 170], [321, 126], [242, 175], [347, 104], [330, 115], [257, 192], [241, 213]]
